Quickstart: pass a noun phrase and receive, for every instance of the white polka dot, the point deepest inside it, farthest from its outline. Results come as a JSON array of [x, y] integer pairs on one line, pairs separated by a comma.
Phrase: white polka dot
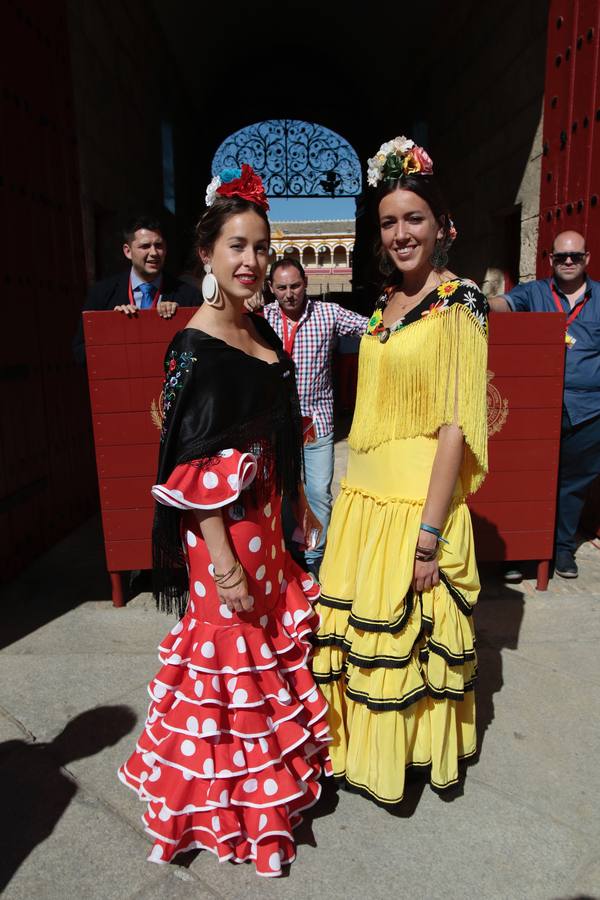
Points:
[[188, 748], [155, 774], [210, 480], [225, 773], [284, 695], [270, 787], [265, 652], [307, 585], [176, 644], [287, 618], [273, 551], [226, 453], [177, 629], [273, 524], [283, 587], [165, 814], [280, 576], [208, 768], [274, 862], [231, 684], [194, 647], [233, 482], [225, 611], [157, 853], [209, 725], [250, 786], [223, 798], [188, 775], [313, 697], [192, 625], [299, 614], [267, 509], [211, 570], [200, 589], [254, 544], [241, 645], [174, 659], [268, 587], [193, 674], [240, 696], [216, 825], [263, 744], [249, 745], [192, 724], [264, 621], [262, 822], [144, 776], [176, 493], [198, 688], [215, 682], [207, 649], [260, 572], [159, 690], [283, 545], [191, 539], [238, 758], [149, 758], [192, 606]]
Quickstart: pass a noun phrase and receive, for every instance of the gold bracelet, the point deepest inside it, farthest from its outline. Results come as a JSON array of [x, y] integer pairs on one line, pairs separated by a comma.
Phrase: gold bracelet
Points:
[[235, 583]]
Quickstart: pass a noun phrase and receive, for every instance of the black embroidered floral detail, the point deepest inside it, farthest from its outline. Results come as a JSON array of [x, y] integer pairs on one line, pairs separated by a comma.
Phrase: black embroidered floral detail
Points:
[[177, 365]]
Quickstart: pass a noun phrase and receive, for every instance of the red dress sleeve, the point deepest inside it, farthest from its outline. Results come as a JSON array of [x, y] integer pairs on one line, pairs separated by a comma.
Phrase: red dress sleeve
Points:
[[207, 485]]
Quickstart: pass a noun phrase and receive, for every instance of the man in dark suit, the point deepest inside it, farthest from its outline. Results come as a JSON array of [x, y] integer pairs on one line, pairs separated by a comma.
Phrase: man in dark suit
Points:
[[144, 285]]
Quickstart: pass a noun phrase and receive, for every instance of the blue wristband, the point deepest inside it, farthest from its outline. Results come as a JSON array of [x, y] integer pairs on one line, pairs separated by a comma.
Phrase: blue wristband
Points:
[[432, 530]]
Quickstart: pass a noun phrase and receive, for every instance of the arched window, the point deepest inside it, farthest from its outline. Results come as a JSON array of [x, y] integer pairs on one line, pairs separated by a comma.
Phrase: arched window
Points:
[[291, 253], [309, 257], [294, 158], [339, 256], [324, 258]]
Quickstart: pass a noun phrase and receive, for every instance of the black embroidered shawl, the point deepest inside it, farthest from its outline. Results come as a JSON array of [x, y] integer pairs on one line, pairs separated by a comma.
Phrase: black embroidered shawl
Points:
[[217, 397]]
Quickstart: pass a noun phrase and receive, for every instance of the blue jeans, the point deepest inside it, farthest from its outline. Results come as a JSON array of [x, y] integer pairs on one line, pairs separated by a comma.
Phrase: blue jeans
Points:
[[579, 466], [318, 475]]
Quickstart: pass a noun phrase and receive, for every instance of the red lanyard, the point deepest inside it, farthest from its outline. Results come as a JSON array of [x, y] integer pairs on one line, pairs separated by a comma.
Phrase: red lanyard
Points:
[[157, 295], [289, 332], [577, 309]]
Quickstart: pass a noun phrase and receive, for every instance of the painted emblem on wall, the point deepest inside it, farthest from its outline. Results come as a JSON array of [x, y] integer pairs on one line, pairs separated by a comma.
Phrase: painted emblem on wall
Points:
[[157, 411], [497, 407]]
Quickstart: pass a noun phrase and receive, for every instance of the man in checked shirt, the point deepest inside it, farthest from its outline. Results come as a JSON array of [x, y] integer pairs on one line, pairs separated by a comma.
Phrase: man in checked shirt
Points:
[[309, 329]]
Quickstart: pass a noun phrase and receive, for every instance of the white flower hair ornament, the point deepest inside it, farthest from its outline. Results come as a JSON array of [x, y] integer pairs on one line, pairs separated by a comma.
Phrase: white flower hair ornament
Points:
[[397, 158]]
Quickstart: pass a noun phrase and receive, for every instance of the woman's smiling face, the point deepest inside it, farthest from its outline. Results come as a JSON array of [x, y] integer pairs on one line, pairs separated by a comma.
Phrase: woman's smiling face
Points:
[[408, 230], [240, 255]]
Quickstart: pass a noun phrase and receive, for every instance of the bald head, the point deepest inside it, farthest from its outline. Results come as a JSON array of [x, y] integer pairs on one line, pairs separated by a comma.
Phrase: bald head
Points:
[[569, 259]]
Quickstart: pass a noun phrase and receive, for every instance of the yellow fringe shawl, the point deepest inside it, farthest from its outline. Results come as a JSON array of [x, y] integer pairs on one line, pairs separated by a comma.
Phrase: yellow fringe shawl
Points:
[[428, 374]]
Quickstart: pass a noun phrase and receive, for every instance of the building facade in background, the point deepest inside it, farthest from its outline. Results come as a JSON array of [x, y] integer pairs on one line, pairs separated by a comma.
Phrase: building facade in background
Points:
[[324, 248]]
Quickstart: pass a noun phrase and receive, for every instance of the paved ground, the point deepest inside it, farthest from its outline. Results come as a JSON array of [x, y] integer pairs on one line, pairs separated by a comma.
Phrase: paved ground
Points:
[[74, 670]]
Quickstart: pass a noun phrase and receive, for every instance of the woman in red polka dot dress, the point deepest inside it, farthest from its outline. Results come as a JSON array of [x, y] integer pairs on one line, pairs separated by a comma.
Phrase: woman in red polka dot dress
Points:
[[235, 740]]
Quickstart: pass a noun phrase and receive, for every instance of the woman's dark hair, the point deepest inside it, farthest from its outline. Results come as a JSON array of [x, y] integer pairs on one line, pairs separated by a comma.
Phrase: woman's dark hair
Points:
[[214, 218], [425, 187]]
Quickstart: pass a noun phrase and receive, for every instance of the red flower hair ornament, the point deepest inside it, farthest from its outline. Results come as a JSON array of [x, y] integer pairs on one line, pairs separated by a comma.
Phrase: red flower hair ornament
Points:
[[242, 182]]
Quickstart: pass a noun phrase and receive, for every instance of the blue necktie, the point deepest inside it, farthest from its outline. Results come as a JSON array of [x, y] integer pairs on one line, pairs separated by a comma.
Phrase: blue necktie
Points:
[[148, 291]]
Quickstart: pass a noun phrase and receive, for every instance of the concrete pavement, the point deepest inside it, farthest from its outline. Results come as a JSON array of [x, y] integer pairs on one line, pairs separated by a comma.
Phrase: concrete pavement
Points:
[[527, 823]]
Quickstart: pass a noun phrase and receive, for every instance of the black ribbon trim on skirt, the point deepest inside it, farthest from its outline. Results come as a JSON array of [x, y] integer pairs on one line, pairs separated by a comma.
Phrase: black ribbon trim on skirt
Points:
[[328, 640], [378, 662], [449, 693], [453, 659], [384, 705], [456, 595], [329, 677], [380, 626], [334, 602]]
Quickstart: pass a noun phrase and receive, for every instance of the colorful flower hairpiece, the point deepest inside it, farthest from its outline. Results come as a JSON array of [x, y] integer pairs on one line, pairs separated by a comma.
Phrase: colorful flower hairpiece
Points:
[[242, 182], [397, 158]]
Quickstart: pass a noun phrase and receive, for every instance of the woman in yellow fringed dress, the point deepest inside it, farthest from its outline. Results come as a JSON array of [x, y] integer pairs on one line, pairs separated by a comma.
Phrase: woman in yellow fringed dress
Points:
[[395, 651]]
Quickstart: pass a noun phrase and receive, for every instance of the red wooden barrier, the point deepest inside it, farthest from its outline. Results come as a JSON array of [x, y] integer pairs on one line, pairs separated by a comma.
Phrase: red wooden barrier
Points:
[[513, 513]]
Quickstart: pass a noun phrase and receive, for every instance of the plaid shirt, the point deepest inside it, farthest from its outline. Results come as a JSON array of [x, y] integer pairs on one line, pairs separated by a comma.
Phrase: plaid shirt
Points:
[[320, 324]]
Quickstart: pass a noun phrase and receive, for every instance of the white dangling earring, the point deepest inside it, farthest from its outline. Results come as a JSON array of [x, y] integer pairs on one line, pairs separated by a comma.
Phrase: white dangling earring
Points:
[[210, 286]]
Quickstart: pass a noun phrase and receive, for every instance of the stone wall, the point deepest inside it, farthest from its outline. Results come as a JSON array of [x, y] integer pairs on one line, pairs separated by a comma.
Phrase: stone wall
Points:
[[126, 83]]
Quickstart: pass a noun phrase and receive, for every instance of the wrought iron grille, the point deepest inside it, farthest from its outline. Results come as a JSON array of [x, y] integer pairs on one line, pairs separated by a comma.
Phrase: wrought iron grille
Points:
[[294, 158]]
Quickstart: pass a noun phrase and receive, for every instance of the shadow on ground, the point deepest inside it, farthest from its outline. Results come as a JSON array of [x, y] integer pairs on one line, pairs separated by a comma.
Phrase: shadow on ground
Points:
[[36, 788]]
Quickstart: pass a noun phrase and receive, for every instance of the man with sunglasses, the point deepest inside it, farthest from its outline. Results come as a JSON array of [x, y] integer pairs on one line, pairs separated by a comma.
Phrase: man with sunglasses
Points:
[[571, 291]]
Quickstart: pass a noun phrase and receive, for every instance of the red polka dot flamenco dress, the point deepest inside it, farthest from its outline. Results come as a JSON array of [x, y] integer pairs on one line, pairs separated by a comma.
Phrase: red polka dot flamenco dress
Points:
[[235, 740]]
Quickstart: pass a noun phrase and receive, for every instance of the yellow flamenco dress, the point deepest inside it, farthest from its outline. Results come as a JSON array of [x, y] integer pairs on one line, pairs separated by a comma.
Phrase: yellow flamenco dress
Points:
[[398, 668]]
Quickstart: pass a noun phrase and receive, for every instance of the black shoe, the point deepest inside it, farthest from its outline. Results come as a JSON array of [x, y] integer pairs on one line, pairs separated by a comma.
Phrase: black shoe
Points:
[[565, 564], [513, 575]]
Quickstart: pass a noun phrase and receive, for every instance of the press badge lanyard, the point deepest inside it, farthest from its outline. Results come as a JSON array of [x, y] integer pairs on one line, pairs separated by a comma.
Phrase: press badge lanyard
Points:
[[157, 295], [289, 332], [569, 340]]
